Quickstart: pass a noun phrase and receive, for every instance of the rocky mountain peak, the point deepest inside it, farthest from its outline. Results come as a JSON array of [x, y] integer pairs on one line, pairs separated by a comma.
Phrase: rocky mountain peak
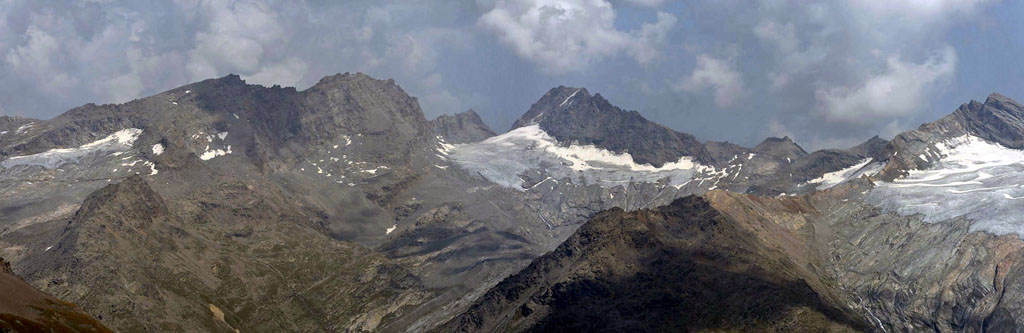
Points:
[[348, 79], [368, 94], [1003, 102], [783, 147], [573, 116], [132, 197], [462, 127], [559, 98], [1000, 119], [875, 147]]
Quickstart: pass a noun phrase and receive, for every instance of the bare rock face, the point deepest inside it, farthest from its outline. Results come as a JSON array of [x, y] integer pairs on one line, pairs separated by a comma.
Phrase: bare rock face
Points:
[[462, 127]]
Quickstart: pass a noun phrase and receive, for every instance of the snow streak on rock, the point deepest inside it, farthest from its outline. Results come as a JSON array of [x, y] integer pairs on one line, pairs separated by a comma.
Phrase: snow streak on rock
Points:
[[864, 167]]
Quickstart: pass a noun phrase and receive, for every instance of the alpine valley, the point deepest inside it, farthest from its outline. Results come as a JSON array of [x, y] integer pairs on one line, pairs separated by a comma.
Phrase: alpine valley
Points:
[[222, 206]]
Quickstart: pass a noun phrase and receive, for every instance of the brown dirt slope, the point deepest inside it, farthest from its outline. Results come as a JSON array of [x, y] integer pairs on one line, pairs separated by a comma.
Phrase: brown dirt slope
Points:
[[25, 309]]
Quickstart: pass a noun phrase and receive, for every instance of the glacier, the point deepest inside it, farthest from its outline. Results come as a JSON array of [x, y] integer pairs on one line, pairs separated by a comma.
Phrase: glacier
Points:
[[117, 142], [504, 158], [971, 177]]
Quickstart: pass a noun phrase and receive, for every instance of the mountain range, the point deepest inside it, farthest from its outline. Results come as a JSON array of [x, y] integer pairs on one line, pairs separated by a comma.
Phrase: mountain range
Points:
[[226, 206]]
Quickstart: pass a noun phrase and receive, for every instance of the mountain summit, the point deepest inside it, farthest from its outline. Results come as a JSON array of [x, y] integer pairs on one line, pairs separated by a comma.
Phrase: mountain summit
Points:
[[461, 127], [572, 115]]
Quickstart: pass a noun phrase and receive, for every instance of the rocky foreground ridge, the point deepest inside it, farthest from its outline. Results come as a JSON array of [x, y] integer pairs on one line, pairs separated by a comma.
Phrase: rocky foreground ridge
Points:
[[26, 309]]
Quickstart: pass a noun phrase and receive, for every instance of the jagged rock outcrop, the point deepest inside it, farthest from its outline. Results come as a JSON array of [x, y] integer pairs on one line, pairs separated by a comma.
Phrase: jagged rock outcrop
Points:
[[462, 127]]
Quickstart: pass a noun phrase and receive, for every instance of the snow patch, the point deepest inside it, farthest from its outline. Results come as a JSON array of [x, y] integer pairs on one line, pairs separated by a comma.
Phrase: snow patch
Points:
[[158, 149], [23, 128], [152, 168], [209, 154], [374, 170], [392, 228], [834, 178]]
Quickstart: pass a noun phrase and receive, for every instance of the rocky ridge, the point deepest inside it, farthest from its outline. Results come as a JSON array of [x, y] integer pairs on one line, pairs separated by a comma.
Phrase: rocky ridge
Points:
[[680, 267], [228, 184]]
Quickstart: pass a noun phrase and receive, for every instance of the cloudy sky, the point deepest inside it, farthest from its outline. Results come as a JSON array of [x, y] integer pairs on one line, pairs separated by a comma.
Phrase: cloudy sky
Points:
[[828, 73]]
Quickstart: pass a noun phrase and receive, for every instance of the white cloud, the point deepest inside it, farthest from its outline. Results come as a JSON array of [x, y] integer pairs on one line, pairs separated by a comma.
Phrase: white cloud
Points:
[[286, 73], [237, 38], [900, 90], [568, 35], [777, 129], [651, 37], [716, 75], [38, 58], [647, 3]]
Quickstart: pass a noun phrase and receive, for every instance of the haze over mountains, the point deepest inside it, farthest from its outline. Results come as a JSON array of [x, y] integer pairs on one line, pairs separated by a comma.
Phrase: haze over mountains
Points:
[[221, 206]]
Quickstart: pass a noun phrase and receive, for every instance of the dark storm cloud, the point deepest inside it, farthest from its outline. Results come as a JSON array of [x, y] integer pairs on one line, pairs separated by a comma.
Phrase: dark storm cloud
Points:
[[828, 73]]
